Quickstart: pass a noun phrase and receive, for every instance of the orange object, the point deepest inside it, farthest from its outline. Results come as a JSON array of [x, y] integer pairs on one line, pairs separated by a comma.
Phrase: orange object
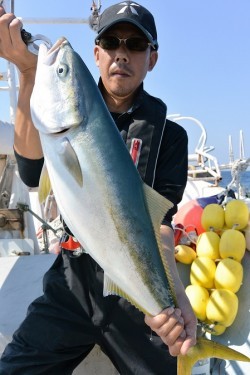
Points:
[[71, 244], [189, 215]]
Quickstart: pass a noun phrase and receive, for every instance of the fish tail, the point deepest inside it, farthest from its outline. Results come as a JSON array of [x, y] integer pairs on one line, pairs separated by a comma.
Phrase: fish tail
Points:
[[206, 349]]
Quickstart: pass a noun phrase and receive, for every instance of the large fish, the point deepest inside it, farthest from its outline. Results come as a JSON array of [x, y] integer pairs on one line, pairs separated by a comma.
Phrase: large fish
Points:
[[112, 213]]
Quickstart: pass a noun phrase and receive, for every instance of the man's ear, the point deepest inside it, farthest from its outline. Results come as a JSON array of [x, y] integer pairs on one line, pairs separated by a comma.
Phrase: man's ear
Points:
[[153, 60], [96, 55]]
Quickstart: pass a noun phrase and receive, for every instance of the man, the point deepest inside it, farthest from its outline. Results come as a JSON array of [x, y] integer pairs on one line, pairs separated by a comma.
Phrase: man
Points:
[[72, 316]]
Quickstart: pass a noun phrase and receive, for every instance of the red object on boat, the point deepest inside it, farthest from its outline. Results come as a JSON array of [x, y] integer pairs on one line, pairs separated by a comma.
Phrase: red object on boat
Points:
[[189, 215], [71, 244], [178, 232]]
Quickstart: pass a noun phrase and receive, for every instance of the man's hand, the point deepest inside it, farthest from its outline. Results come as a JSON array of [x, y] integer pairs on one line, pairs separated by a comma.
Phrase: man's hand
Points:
[[12, 47], [176, 327], [169, 325]]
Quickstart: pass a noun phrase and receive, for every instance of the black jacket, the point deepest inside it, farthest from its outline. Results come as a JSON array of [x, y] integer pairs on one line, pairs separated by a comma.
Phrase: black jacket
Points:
[[162, 161]]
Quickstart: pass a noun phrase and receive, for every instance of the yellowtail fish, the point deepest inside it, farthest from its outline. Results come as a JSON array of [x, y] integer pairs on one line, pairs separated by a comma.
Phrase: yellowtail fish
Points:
[[101, 197]]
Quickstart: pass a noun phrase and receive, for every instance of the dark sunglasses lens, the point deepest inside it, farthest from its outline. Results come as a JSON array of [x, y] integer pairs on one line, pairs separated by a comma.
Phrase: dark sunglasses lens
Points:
[[133, 44], [109, 42], [137, 44]]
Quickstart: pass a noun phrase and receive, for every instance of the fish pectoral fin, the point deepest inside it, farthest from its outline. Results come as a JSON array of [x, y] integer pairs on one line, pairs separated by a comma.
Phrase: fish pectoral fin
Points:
[[207, 349], [44, 187], [71, 162]]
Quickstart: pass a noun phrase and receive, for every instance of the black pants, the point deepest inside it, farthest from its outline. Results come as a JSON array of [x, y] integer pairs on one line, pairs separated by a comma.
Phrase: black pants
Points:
[[63, 326]]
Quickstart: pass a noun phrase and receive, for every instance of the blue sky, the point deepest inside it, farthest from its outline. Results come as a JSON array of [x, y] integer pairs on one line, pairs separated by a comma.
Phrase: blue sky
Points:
[[204, 60]]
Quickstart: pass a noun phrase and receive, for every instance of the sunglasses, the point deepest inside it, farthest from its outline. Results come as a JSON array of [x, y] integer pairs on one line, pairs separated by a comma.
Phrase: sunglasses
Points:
[[133, 44]]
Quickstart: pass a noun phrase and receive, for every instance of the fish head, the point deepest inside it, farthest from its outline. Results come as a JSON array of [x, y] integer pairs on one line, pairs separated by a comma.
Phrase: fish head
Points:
[[57, 103]]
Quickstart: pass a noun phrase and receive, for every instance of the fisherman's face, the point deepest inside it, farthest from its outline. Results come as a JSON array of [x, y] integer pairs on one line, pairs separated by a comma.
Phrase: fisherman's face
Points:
[[121, 69]]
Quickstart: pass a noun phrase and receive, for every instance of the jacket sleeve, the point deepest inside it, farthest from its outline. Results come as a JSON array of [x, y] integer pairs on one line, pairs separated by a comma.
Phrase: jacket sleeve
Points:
[[171, 170], [29, 170]]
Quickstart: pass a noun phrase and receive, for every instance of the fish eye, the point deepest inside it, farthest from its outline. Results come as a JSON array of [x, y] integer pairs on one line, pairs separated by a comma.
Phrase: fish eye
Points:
[[62, 70]]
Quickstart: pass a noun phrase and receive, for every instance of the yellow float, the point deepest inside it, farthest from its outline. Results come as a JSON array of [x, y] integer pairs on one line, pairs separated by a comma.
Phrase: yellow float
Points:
[[236, 214], [213, 217], [232, 245]]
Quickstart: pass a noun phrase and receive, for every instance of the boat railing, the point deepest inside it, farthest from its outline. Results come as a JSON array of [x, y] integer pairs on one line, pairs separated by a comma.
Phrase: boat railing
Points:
[[201, 164], [205, 168]]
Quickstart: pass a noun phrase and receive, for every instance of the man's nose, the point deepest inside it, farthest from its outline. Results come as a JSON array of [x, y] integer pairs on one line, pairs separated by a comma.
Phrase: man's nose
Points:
[[122, 53]]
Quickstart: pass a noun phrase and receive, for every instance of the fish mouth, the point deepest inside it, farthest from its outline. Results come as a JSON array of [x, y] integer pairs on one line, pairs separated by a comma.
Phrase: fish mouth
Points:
[[62, 131], [50, 55], [57, 45], [59, 131]]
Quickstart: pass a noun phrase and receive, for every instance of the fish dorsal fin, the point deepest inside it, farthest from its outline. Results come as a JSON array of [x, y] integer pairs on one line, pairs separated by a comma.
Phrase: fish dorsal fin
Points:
[[111, 288], [157, 206], [44, 188]]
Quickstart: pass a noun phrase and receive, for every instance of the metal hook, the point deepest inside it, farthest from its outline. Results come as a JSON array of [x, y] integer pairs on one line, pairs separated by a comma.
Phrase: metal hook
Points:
[[30, 40]]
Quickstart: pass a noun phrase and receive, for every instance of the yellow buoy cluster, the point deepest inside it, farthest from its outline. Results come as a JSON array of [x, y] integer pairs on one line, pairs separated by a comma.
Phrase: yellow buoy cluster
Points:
[[216, 272]]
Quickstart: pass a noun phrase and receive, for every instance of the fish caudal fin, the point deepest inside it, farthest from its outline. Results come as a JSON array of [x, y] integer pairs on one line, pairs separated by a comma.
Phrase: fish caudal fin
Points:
[[44, 188], [206, 349]]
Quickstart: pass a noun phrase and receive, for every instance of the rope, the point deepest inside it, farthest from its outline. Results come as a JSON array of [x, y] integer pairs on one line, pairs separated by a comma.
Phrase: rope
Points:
[[238, 167]]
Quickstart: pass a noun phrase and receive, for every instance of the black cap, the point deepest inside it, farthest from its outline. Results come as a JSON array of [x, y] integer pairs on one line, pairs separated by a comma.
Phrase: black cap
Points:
[[129, 11]]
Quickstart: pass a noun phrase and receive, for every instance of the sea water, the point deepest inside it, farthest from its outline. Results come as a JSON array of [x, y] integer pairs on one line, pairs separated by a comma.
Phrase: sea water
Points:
[[227, 178]]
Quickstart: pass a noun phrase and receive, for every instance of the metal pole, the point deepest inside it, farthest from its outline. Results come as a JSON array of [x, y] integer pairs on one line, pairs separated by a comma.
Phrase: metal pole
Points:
[[231, 153], [11, 75], [242, 148], [66, 20]]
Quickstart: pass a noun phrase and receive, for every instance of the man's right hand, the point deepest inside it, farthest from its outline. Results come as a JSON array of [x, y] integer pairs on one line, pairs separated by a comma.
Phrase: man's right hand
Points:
[[12, 47]]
